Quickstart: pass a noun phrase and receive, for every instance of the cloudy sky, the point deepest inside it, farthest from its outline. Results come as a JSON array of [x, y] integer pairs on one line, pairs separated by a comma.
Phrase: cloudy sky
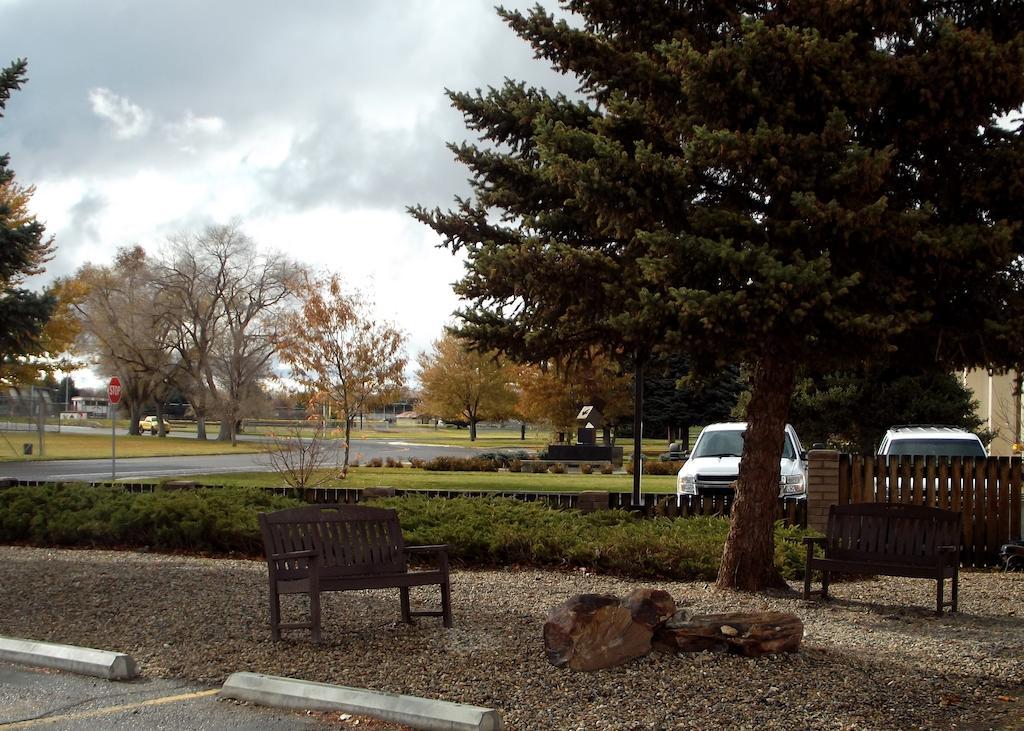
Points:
[[312, 124]]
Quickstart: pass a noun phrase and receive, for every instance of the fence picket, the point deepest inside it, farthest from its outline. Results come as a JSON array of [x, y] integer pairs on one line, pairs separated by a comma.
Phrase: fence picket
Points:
[[1003, 504]]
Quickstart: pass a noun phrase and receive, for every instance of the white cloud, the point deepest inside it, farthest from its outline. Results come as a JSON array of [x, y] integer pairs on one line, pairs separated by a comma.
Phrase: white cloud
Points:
[[315, 147], [192, 129], [127, 118]]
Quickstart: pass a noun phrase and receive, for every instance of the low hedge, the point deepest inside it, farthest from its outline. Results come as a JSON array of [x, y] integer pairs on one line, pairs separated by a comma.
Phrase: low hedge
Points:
[[479, 531], [219, 521]]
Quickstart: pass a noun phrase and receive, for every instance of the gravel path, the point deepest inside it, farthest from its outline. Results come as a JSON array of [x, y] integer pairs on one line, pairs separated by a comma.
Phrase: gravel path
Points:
[[875, 658]]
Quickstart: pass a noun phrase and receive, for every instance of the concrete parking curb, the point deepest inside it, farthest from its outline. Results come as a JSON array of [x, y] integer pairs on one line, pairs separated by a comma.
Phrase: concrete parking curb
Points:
[[420, 713], [82, 660]]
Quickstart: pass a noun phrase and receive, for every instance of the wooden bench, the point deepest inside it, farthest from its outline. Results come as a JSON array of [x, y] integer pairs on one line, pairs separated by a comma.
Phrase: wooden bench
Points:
[[915, 541], [317, 548]]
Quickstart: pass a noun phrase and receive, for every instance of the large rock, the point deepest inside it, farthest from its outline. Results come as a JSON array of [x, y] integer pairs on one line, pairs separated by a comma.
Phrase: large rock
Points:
[[749, 634], [594, 631]]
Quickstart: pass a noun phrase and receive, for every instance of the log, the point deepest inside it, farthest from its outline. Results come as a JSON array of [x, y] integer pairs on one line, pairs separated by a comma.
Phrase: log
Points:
[[748, 634]]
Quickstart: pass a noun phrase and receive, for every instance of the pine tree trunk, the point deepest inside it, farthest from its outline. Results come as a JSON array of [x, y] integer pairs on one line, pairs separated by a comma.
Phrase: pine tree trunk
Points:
[[748, 557]]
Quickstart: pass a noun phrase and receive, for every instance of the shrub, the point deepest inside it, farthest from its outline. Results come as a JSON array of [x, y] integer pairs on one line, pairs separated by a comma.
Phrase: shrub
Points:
[[505, 457], [393, 462], [654, 467], [417, 462], [460, 464], [502, 531], [586, 469], [214, 520], [607, 469], [661, 468], [557, 469], [479, 531], [539, 467], [376, 462], [515, 465]]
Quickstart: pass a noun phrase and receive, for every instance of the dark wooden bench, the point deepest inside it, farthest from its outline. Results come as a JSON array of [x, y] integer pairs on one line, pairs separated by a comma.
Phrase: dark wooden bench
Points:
[[915, 541], [313, 549]]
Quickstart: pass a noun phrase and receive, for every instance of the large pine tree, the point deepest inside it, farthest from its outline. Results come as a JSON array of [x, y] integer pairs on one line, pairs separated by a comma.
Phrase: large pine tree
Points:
[[775, 183], [23, 250]]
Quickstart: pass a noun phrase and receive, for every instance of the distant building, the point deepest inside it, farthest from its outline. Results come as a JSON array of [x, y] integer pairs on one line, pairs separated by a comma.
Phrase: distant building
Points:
[[89, 405], [999, 406]]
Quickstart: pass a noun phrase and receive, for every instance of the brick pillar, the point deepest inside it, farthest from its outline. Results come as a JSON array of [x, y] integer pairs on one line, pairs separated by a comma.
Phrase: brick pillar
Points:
[[822, 486]]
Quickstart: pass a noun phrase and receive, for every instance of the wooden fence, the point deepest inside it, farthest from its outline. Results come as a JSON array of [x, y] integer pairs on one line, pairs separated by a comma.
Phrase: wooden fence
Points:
[[986, 491]]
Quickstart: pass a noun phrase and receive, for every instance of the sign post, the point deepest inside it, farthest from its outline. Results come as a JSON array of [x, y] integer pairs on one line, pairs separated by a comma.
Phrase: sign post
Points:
[[114, 397]]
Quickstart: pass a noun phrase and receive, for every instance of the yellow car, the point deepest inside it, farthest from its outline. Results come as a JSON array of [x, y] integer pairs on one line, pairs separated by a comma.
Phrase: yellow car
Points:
[[152, 425]]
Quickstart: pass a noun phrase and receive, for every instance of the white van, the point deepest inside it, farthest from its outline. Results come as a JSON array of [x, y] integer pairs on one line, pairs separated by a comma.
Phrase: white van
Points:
[[714, 463]]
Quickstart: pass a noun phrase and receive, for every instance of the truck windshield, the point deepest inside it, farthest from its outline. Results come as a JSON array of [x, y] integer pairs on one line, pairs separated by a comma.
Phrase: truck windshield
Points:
[[730, 444], [936, 448]]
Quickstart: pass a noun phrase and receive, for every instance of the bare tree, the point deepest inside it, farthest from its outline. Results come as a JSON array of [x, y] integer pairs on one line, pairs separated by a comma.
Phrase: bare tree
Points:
[[337, 349], [297, 455], [123, 327], [193, 313], [226, 308]]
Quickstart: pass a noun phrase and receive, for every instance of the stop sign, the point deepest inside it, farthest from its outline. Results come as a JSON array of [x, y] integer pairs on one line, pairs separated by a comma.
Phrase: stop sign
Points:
[[114, 390]]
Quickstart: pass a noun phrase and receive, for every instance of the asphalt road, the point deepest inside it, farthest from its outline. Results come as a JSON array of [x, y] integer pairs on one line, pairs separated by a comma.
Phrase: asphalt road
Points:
[[87, 470]]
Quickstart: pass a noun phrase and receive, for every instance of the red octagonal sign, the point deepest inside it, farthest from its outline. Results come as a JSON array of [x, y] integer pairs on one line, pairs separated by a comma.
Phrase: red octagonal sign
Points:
[[114, 390]]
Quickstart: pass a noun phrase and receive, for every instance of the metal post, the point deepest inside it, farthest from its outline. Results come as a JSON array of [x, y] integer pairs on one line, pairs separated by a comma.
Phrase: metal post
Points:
[[638, 426], [113, 442]]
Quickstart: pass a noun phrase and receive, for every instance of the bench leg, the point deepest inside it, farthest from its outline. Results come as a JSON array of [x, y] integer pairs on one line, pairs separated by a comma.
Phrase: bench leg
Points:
[[406, 615], [956, 591], [939, 586], [275, 613], [824, 584], [314, 615], [446, 604], [807, 583]]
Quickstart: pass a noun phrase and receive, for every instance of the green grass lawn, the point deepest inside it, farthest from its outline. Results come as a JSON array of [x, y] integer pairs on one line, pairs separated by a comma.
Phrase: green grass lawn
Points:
[[97, 446], [487, 437], [411, 479]]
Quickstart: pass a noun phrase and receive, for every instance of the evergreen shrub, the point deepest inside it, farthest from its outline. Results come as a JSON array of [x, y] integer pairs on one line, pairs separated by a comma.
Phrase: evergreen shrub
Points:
[[205, 521], [479, 531], [461, 464]]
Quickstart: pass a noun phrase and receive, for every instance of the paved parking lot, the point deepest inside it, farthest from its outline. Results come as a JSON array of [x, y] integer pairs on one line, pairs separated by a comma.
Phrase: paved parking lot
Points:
[[36, 698]]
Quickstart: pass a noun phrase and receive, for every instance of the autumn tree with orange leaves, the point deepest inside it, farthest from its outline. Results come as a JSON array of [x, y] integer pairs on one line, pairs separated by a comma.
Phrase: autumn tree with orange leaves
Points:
[[336, 348]]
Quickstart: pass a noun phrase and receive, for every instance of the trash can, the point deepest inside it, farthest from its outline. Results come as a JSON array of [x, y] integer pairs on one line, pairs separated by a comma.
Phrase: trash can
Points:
[[26, 448]]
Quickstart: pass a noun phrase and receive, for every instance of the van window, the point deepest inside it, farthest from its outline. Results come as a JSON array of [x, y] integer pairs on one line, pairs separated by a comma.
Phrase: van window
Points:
[[936, 448]]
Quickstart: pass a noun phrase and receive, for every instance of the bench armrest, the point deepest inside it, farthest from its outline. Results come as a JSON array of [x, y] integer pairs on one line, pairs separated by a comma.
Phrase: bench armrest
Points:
[[439, 548], [439, 552], [292, 555]]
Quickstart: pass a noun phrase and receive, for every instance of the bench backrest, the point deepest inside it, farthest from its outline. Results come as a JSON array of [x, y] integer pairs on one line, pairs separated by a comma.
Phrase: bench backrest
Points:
[[891, 532], [350, 540]]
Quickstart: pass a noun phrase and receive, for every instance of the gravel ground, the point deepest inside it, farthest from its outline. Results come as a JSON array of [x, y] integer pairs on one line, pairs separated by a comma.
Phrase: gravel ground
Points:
[[874, 658]]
